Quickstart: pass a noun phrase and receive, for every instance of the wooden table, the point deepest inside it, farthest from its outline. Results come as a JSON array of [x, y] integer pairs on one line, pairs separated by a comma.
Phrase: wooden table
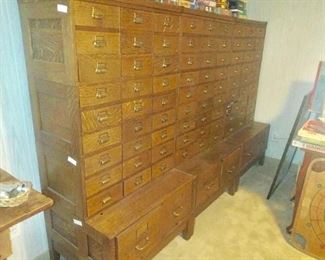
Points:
[[36, 203]]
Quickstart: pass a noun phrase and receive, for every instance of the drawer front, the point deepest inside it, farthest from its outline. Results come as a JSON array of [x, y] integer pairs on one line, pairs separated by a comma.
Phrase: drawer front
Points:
[[165, 102], [201, 144], [223, 59], [136, 164], [136, 66], [189, 61], [209, 44], [91, 95], [205, 91], [203, 119], [191, 25], [134, 128], [189, 79], [234, 71], [207, 60], [185, 126], [221, 73], [98, 119], [206, 76], [224, 45], [165, 65], [217, 129], [96, 15], [230, 167], [137, 181], [187, 95], [186, 139], [225, 29], [165, 44], [210, 27], [98, 68], [162, 135], [162, 151], [205, 106], [138, 107], [186, 153], [102, 160], [136, 20], [163, 119], [187, 110], [138, 241], [237, 57], [206, 190], [190, 44], [166, 23], [97, 42], [101, 140], [103, 180], [104, 199], [163, 166], [136, 43], [137, 88], [238, 45], [221, 87], [165, 83], [136, 147]]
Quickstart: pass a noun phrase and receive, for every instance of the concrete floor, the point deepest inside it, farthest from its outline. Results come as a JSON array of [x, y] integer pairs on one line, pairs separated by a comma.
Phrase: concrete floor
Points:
[[243, 227]]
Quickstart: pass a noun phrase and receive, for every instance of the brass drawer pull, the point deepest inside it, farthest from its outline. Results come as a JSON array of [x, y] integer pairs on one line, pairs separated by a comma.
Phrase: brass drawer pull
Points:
[[192, 25], [209, 44], [222, 60], [177, 212], [164, 118], [206, 76], [138, 128], [163, 151], [185, 154], [106, 200], [224, 45], [99, 42], [207, 61], [104, 159], [137, 147], [137, 65], [205, 91], [204, 119], [101, 93], [202, 132], [189, 80], [103, 138], [97, 14], [186, 126], [165, 83], [105, 181], [137, 43], [164, 135], [236, 58], [190, 43], [165, 64], [166, 44], [137, 19], [249, 154], [229, 171], [101, 68], [188, 111], [163, 167], [138, 164], [137, 87], [189, 95], [202, 145], [138, 106], [164, 101], [190, 61], [231, 130], [210, 27], [221, 74], [204, 105], [186, 140], [102, 117], [167, 21], [141, 248], [238, 44]]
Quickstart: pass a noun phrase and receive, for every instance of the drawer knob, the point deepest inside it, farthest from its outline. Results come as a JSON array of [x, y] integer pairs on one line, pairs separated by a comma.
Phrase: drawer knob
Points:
[[222, 60], [185, 154], [166, 44], [145, 244], [103, 138], [164, 118], [190, 43], [224, 45], [137, 147], [101, 93], [163, 135], [189, 95], [137, 65], [202, 132], [204, 119], [137, 43], [138, 106], [189, 80], [97, 14], [138, 127], [186, 140], [190, 61], [101, 68], [249, 154], [106, 180], [106, 200], [163, 167], [186, 126], [207, 61], [137, 19], [205, 91], [165, 83], [164, 101], [104, 159], [163, 151], [99, 42], [177, 212], [165, 63], [209, 44], [138, 164], [192, 26], [102, 117], [206, 76]]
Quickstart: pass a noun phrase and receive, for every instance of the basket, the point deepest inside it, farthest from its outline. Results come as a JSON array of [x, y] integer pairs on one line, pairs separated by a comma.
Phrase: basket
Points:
[[15, 201]]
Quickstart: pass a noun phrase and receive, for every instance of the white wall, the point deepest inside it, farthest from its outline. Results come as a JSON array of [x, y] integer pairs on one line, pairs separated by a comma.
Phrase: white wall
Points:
[[295, 43], [17, 143]]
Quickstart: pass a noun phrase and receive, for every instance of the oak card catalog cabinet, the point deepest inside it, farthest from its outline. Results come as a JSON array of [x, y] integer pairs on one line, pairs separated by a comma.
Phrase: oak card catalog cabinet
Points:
[[143, 116]]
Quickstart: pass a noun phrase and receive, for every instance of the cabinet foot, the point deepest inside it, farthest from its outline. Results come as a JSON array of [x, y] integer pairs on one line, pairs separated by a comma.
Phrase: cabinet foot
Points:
[[261, 160], [189, 229], [233, 188]]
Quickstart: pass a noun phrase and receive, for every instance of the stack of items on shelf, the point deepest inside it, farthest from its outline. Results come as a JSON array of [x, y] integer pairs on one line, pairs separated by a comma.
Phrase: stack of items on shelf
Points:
[[238, 8]]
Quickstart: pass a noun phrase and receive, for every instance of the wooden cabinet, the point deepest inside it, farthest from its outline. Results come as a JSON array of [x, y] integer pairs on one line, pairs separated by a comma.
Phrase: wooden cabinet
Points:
[[122, 93]]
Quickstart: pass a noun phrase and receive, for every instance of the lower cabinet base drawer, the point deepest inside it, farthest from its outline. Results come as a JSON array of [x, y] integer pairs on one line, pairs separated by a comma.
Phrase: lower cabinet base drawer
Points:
[[206, 190]]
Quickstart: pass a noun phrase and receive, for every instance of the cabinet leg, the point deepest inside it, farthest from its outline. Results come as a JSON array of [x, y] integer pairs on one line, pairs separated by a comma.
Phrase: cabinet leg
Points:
[[54, 255], [189, 229], [262, 159], [233, 188]]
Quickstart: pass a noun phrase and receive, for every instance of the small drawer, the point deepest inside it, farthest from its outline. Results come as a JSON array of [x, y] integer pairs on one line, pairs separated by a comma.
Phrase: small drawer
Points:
[[97, 42], [190, 44], [102, 118], [103, 180], [165, 44], [249, 44], [136, 88], [219, 100], [98, 68], [136, 66], [138, 107], [190, 61], [165, 65], [187, 110], [225, 29], [187, 95], [163, 119], [136, 127], [191, 25], [205, 91], [102, 160], [101, 140], [136, 20], [234, 83], [203, 119], [210, 27], [223, 59], [234, 71], [136, 147], [166, 23], [239, 30], [136, 164], [208, 44], [205, 106], [185, 153], [96, 15], [139, 240], [206, 76], [91, 95], [224, 44], [165, 83], [221, 73], [163, 150], [104, 199], [186, 139], [185, 126], [162, 135], [207, 60], [136, 43], [163, 166], [165, 102], [189, 79], [137, 181], [237, 57], [203, 132], [201, 144]]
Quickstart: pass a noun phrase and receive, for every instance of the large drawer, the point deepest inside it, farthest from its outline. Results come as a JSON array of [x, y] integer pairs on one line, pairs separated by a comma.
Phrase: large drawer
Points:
[[231, 167]]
